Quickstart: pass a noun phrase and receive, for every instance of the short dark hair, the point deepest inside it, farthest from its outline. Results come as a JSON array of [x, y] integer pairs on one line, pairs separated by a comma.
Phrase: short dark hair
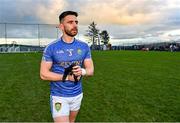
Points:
[[66, 13]]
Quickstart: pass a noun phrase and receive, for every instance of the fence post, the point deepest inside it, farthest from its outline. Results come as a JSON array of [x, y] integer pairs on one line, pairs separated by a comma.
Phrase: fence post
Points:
[[5, 24], [38, 35]]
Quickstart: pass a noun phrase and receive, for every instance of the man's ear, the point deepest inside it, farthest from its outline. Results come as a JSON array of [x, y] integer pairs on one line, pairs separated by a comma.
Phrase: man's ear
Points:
[[61, 26]]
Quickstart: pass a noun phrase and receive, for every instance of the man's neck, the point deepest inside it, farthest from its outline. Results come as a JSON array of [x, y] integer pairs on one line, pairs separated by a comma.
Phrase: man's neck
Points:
[[67, 39]]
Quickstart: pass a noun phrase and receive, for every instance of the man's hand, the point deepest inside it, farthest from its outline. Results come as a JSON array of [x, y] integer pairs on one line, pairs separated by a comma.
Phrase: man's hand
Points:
[[77, 71], [71, 78], [76, 74], [73, 73]]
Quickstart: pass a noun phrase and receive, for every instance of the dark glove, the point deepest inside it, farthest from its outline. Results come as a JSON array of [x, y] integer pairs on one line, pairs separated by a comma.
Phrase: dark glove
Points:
[[68, 71]]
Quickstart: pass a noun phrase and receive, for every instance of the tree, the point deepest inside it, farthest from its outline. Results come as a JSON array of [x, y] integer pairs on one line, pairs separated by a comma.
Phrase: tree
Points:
[[93, 33], [105, 37]]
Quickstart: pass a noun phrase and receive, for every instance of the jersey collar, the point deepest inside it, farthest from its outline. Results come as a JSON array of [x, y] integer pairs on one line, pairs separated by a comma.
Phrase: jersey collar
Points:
[[66, 42]]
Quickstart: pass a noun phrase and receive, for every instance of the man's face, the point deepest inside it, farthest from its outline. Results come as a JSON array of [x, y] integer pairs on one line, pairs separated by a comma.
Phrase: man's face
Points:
[[69, 25]]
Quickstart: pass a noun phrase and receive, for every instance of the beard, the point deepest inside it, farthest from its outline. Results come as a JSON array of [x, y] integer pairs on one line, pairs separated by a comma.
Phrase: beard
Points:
[[73, 32]]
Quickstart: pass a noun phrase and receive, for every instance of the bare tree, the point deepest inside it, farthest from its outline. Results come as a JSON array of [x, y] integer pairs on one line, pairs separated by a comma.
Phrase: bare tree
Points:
[[93, 33]]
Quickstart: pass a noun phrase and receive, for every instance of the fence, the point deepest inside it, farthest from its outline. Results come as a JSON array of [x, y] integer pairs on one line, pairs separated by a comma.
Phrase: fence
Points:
[[16, 37], [20, 37]]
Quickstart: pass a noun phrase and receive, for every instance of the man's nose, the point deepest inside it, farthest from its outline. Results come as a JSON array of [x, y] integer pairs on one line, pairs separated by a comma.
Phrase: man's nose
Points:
[[75, 24]]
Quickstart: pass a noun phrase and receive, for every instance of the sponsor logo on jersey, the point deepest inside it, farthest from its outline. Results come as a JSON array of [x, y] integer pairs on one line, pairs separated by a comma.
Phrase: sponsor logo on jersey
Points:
[[66, 64]]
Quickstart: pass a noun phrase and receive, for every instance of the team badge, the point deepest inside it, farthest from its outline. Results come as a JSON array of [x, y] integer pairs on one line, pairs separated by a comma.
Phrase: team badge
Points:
[[79, 51], [57, 106]]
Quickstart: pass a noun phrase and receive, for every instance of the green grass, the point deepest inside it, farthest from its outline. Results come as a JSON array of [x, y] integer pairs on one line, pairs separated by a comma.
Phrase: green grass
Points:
[[127, 86]]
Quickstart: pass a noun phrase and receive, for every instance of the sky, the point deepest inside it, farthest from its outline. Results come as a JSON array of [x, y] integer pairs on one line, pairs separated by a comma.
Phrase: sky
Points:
[[121, 18]]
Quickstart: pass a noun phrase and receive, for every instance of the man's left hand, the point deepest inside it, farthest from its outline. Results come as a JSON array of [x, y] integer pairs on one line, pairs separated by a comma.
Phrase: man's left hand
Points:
[[77, 71]]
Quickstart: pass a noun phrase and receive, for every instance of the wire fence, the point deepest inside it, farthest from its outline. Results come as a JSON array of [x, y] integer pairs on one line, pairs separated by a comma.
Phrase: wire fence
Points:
[[26, 37], [20, 37]]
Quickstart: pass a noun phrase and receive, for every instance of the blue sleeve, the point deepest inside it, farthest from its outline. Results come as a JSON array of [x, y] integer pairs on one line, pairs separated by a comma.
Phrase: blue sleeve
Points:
[[47, 54], [88, 53]]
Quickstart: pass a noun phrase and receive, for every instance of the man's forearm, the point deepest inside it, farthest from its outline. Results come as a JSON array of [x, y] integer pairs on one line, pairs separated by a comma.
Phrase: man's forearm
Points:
[[89, 72], [51, 76]]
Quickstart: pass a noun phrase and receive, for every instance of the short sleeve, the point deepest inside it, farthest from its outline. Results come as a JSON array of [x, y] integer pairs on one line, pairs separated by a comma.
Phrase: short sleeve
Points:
[[47, 54], [88, 52]]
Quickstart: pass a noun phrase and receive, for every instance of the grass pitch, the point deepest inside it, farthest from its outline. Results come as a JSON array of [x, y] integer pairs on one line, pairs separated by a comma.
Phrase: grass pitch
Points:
[[127, 86]]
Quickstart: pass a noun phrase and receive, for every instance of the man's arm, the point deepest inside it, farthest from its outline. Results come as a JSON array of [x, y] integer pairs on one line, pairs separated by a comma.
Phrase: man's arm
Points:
[[46, 74], [88, 66]]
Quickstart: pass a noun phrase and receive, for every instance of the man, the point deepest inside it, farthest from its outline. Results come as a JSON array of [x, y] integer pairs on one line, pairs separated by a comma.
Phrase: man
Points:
[[66, 89]]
